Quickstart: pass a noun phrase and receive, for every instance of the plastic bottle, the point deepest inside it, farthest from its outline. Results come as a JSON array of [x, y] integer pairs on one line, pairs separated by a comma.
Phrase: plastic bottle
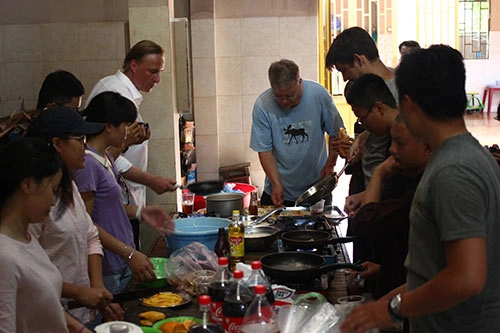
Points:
[[257, 277], [236, 238], [253, 208], [236, 302], [204, 314], [260, 316], [222, 244], [217, 290]]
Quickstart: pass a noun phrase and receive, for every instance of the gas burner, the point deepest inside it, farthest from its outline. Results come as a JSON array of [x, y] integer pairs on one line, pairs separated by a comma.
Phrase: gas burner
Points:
[[327, 250], [312, 222]]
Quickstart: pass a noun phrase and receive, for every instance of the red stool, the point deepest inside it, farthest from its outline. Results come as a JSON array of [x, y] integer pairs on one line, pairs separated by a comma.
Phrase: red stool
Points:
[[489, 91]]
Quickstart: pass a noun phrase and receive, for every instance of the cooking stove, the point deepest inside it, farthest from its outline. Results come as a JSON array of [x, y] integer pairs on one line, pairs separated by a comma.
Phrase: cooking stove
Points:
[[329, 252], [309, 222]]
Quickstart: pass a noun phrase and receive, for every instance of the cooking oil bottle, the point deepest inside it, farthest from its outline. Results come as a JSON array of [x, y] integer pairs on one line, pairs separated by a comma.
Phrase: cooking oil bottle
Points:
[[236, 237]]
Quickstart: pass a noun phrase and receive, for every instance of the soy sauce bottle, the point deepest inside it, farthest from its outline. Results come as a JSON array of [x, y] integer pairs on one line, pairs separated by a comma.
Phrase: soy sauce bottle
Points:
[[222, 244], [253, 208]]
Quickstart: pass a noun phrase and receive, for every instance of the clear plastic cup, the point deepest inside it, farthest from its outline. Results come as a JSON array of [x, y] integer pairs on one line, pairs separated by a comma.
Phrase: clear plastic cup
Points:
[[187, 202], [318, 207], [201, 284], [347, 304]]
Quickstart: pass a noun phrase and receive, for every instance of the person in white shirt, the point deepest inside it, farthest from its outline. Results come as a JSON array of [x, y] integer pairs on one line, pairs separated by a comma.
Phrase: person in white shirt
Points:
[[30, 284], [141, 72]]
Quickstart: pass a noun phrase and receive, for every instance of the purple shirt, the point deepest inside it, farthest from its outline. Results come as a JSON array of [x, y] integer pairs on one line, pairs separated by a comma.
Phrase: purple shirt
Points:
[[108, 211]]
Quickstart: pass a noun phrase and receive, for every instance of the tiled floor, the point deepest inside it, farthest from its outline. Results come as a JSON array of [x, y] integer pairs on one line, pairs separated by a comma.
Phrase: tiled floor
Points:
[[483, 126]]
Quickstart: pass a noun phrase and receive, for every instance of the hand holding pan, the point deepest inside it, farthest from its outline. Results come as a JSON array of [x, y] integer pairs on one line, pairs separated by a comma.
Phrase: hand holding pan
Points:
[[319, 190]]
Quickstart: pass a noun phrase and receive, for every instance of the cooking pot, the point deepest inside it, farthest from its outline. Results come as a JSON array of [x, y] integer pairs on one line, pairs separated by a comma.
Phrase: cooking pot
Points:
[[223, 204], [299, 266], [309, 239], [260, 238]]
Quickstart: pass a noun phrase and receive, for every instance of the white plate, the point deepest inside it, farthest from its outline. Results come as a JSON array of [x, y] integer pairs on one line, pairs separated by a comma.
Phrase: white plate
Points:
[[106, 327]]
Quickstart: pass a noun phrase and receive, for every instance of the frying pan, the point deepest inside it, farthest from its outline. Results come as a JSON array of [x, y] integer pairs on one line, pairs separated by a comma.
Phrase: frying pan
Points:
[[319, 190], [299, 266], [309, 239], [207, 187]]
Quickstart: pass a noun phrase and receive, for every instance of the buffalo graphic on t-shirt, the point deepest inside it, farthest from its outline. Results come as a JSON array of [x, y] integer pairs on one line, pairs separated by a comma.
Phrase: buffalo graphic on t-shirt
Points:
[[293, 133]]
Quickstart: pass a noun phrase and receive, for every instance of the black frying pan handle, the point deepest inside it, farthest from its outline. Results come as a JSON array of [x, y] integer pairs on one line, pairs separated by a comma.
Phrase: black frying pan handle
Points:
[[342, 240], [330, 267]]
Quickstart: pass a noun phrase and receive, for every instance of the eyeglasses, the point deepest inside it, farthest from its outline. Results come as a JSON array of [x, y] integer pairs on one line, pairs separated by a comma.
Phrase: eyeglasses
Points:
[[362, 120], [82, 138], [290, 97]]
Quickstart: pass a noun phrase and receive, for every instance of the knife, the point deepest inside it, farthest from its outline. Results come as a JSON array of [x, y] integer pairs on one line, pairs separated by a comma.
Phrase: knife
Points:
[[121, 297]]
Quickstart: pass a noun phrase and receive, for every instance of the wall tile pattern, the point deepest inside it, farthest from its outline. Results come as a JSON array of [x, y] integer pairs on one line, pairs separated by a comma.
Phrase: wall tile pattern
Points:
[[245, 42]]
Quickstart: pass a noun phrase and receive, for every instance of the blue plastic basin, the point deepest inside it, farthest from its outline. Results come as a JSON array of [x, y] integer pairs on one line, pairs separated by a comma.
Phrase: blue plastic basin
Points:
[[196, 229]]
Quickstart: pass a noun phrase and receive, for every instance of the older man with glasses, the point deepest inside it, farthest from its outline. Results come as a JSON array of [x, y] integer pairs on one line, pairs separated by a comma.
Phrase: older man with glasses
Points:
[[289, 123]]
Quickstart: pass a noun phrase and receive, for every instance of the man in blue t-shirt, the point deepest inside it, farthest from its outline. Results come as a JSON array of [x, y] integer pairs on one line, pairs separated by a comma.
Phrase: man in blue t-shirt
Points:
[[289, 123]]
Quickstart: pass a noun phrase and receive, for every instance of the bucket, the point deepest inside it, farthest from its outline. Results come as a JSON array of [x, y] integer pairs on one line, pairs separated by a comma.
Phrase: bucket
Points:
[[195, 229], [246, 189]]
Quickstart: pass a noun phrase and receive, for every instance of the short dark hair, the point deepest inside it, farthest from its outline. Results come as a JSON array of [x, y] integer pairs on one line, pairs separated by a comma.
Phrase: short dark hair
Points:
[[351, 41], [111, 107], [282, 73], [26, 158], [368, 89], [59, 87], [409, 43], [435, 79], [139, 51]]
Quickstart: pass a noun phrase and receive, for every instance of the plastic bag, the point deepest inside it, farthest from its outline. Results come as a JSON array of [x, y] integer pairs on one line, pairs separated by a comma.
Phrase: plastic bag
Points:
[[309, 313], [186, 260], [229, 188]]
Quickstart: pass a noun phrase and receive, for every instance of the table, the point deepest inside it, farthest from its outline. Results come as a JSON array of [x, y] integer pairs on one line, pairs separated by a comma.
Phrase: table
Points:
[[158, 249], [489, 91]]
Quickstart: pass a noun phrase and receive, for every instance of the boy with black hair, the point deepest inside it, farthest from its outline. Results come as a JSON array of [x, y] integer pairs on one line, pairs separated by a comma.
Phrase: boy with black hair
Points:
[[452, 262]]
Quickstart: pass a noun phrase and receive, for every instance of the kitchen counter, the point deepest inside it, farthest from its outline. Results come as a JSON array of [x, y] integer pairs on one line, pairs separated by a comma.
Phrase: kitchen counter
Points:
[[158, 248]]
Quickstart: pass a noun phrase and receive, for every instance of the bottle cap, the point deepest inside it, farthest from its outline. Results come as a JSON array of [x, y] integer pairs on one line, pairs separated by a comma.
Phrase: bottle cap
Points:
[[236, 212], [204, 300], [238, 274], [256, 265], [260, 289], [223, 261]]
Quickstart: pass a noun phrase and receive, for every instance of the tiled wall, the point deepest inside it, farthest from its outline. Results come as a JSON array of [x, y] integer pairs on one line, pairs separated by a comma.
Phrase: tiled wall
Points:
[[28, 52], [231, 56]]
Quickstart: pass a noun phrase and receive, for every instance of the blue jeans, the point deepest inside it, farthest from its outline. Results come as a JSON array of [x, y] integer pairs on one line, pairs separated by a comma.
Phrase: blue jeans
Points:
[[116, 283]]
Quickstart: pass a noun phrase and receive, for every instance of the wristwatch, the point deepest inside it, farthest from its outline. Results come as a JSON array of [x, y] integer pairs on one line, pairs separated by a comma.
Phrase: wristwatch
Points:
[[394, 308]]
